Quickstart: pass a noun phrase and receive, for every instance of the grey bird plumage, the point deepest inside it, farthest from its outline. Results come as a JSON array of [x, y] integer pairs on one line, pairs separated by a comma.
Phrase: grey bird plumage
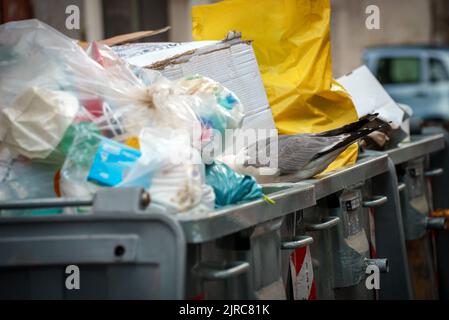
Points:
[[301, 156]]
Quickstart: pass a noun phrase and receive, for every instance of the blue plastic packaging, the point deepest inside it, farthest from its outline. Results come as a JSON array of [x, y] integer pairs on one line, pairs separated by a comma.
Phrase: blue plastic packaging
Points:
[[112, 162]]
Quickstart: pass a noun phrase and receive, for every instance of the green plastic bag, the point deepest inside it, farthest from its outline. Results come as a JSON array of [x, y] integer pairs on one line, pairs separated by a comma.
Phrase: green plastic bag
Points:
[[231, 187]]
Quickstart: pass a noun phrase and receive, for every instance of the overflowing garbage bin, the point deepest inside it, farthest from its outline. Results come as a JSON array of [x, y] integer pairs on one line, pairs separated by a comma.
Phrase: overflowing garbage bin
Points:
[[339, 230], [411, 161], [439, 184], [235, 252], [116, 251], [117, 171]]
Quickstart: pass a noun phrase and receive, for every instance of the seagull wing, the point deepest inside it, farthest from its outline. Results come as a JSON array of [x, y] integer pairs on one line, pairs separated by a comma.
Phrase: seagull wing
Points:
[[296, 151]]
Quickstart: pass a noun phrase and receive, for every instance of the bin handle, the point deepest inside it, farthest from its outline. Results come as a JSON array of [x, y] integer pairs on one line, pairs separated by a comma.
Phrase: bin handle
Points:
[[401, 187], [434, 172], [327, 223], [299, 242], [46, 203], [377, 201], [382, 264], [437, 223], [213, 273]]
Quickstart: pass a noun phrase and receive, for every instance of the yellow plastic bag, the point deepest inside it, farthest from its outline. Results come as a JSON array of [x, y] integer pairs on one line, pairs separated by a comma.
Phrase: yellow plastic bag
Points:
[[291, 39]]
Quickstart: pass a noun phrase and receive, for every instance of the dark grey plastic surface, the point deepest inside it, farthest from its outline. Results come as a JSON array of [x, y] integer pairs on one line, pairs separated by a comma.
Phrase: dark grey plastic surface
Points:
[[119, 255], [440, 188]]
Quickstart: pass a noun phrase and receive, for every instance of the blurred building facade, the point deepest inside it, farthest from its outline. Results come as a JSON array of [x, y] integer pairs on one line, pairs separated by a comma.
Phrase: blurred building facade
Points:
[[105, 18], [401, 22]]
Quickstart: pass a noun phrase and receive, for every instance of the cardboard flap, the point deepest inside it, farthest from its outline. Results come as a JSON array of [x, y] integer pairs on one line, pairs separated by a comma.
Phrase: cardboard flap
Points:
[[128, 37]]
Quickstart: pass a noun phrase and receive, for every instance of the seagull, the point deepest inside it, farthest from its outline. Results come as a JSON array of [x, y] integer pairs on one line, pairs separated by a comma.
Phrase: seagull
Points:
[[302, 156]]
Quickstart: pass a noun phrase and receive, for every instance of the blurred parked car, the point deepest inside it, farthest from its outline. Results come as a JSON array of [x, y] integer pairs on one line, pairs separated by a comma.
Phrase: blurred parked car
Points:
[[414, 75]]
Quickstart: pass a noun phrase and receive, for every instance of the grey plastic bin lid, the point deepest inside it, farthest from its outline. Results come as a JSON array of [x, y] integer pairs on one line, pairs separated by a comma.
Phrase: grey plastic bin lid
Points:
[[119, 256]]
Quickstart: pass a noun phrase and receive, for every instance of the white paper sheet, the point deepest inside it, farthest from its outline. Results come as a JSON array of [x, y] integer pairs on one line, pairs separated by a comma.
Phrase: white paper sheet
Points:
[[369, 96]]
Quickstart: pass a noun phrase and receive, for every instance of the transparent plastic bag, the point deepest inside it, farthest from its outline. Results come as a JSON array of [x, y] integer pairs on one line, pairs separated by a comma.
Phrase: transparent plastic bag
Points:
[[38, 55], [106, 57], [178, 184], [119, 99], [38, 61], [97, 99], [217, 109], [166, 165], [22, 179], [221, 109], [171, 109], [74, 174], [94, 161]]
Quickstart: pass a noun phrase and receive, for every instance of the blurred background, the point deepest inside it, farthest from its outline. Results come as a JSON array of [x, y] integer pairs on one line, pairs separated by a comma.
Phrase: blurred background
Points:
[[401, 22], [405, 22]]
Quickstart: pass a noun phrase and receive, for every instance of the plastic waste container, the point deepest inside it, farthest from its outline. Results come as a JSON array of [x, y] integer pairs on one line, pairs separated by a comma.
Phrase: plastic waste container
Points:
[[413, 171], [440, 187], [235, 252], [337, 268], [116, 251]]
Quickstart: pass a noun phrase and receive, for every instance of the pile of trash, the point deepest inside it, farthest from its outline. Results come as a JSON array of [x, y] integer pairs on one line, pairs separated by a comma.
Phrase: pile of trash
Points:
[[75, 121]]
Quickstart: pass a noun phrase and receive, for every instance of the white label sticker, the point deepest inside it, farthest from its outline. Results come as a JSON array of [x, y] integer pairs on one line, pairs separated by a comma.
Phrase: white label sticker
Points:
[[302, 274]]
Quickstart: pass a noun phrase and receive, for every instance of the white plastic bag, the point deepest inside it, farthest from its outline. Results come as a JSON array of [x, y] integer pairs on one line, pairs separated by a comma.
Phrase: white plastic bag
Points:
[[177, 185], [36, 121]]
